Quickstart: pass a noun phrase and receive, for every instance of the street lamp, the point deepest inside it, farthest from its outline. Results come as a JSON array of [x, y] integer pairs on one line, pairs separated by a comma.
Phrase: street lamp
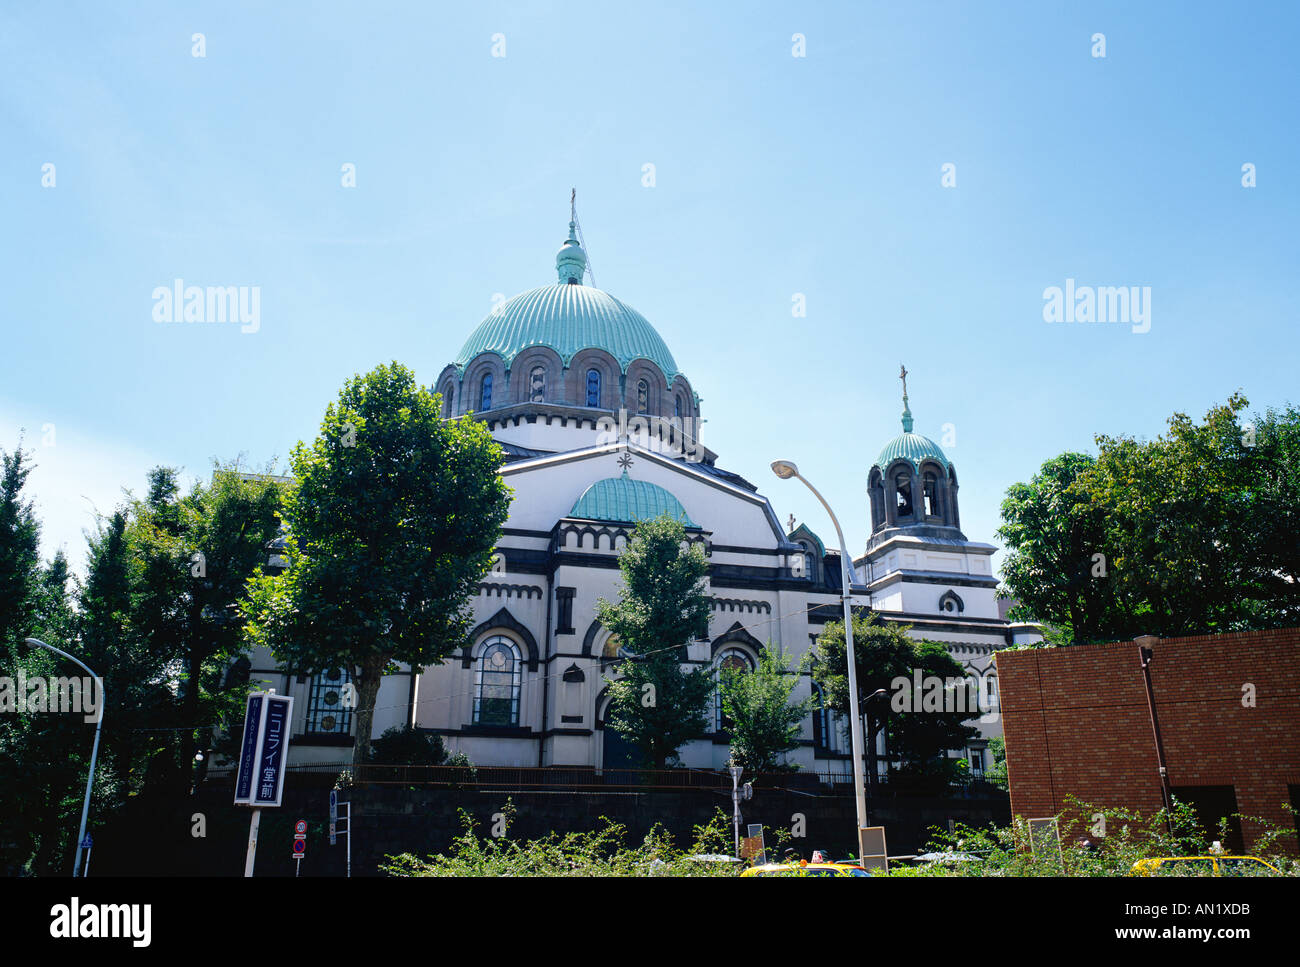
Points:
[[94, 752], [785, 470]]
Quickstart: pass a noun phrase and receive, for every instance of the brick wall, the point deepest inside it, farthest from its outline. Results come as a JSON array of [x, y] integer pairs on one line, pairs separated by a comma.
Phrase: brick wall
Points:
[[1076, 722]]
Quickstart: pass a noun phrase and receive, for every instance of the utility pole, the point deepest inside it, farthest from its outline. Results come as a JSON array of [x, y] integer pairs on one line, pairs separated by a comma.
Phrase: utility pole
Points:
[[1146, 655]]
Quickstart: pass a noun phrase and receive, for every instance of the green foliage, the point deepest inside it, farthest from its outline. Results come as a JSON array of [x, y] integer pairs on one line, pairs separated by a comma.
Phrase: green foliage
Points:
[[996, 773], [406, 746], [393, 522], [602, 852], [1197, 530], [656, 704], [764, 725], [1051, 529], [1129, 837], [154, 620], [918, 740]]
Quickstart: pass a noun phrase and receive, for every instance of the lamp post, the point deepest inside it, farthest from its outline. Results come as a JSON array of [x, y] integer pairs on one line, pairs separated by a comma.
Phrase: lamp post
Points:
[[94, 751], [785, 470]]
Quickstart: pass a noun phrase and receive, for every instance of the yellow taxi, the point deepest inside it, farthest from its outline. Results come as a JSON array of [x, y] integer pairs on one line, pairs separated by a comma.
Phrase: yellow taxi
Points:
[[1214, 865], [804, 868]]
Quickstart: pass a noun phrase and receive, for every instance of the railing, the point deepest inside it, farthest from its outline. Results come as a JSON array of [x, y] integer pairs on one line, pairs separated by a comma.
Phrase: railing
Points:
[[834, 782]]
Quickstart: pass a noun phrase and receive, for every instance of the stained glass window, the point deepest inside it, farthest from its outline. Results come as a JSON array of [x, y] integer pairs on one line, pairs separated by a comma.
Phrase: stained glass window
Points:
[[485, 397], [499, 677], [593, 387], [328, 711]]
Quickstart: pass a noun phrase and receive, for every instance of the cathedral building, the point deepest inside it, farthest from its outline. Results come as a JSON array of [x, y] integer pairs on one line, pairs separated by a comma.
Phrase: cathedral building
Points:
[[600, 429]]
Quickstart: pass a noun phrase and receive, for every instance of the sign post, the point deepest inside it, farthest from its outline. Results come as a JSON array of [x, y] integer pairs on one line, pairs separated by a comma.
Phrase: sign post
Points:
[[262, 756], [299, 844]]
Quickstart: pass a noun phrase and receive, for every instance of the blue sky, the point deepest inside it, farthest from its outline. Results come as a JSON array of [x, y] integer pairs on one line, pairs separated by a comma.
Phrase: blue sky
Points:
[[774, 175]]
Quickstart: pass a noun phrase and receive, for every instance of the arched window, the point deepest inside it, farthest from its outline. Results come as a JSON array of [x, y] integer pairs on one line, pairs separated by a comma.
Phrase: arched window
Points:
[[593, 387], [677, 407], [448, 399], [903, 488], [498, 682], [732, 658], [537, 384], [931, 491], [485, 393], [642, 396], [327, 712], [809, 568]]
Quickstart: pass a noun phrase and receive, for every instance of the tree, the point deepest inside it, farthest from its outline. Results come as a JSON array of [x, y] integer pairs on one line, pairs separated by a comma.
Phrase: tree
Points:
[[1190, 533], [765, 724], [1056, 563], [918, 739], [996, 773], [657, 705], [20, 535], [393, 522], [191, 558], [43, 756]]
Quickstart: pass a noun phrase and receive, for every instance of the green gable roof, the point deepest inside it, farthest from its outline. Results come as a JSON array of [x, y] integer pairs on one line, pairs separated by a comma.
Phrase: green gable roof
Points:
[[624, 499]]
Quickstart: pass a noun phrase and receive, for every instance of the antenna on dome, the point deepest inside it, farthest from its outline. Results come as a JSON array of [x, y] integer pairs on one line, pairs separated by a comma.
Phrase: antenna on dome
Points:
[[573, 217]]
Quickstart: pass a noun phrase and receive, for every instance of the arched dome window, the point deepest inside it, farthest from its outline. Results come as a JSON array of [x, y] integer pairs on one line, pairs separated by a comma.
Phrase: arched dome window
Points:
[[903, 494], [593, 387], [449, 399], [642, 396], [498, 684], [677, 407], [537, 384], [931, 491], [485, 393]]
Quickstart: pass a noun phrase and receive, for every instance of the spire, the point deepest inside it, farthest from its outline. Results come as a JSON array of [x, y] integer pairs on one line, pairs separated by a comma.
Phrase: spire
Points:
[[571, 260], [907, 411]]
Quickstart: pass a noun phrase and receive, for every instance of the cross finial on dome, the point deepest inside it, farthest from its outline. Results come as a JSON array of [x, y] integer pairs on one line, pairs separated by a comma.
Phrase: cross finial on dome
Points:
[[907, 411], [571, 261]]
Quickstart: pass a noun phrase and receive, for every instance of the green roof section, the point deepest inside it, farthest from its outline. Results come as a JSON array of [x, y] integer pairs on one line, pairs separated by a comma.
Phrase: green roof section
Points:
[[569, 317], [624, 499], [913, 448]]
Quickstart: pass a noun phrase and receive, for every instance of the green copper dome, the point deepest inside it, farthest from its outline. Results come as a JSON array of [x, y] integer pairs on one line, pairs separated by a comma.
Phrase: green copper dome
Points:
[[569, 317], [625, 499], [911, 447]]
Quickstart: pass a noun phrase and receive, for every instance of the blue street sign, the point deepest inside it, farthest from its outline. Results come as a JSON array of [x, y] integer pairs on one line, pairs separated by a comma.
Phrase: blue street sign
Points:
[[248, 749], [269, 784], [87, 843]]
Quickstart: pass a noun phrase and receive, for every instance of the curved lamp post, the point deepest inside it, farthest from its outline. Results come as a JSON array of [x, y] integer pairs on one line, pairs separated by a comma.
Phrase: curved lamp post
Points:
[[785, 470], [94, 753]]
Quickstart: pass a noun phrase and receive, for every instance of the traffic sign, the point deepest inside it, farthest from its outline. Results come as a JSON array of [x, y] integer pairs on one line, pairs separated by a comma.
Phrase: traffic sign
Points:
[[333, 834], [300, 826], [299, 847], [87, 843]]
